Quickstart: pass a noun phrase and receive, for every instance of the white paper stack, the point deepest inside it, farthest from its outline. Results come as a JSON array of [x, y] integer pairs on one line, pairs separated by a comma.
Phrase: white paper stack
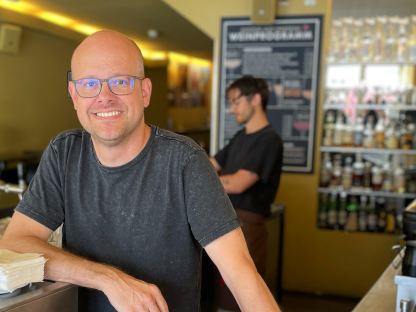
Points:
[[19, 269]]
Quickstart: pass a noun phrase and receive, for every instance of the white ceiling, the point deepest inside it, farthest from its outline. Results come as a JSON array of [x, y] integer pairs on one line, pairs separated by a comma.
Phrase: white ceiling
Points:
[[134, 18]]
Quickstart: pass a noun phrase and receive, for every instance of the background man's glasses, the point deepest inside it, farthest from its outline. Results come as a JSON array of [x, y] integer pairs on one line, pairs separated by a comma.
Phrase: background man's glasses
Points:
[[235, 101], [119, 85]]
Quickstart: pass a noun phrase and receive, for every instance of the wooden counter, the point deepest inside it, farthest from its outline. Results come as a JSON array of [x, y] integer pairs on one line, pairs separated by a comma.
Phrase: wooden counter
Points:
[[382, 295]]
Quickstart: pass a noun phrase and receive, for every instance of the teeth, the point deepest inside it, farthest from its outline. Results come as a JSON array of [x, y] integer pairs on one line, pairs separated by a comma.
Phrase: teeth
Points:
[[108, 114]]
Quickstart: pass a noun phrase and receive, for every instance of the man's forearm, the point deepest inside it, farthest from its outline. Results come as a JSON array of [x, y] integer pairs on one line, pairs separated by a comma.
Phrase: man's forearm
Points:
[[239, 181], [231, 256], [61, 265], [251, 292], [124, 292]]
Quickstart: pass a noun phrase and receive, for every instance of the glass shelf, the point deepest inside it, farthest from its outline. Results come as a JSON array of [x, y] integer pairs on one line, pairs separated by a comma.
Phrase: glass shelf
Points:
[[398, 107], [371, 63], [354, 150], [352, 191]]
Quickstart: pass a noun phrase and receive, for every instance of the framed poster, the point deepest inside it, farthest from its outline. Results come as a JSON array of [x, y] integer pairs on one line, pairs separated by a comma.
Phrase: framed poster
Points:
[[287, 55]]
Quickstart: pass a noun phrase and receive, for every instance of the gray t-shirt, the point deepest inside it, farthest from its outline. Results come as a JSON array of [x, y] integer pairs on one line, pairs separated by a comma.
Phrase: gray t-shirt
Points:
[[149, 217]]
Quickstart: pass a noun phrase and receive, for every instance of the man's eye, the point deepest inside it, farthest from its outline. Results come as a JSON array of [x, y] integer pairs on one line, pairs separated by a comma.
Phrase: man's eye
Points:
[[120, 82], [90, 84]]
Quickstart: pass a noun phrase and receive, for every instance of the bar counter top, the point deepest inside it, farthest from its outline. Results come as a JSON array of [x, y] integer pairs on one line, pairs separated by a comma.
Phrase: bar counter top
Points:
[[41, 297], [382, 295]]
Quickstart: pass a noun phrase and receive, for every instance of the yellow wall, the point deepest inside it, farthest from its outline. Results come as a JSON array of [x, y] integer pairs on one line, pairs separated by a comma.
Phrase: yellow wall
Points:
[[33, 100], [157, 112], [189, 118], [316, 261]]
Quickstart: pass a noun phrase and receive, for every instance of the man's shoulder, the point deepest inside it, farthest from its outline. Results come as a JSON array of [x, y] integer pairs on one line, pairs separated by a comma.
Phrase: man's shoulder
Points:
[[273, 133], [266, 140], [68, 138], [238, 135], [68, 135], [176, 140]]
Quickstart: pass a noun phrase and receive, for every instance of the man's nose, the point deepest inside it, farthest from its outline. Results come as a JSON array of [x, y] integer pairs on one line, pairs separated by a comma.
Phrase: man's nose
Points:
[[232, 108], [105, 91]]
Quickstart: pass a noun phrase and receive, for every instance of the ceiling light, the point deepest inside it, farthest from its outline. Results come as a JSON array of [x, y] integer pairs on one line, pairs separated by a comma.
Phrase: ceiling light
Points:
[[185, 59], [85, 29], [153, 33], [21, 7], [55, 18]]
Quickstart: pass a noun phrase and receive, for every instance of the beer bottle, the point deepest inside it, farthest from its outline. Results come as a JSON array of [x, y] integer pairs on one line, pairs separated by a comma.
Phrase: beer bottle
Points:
[[336, 171], [381, 214], [358, 172], [342, 212], [372, 215], [352, 220], [326, 171], [347, 174], [323, 210], [332, 212], [390, 216], [362, 215]]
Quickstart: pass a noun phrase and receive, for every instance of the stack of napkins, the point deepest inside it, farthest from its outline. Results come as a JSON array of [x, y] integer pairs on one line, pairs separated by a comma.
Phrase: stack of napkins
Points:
[[19, 269]]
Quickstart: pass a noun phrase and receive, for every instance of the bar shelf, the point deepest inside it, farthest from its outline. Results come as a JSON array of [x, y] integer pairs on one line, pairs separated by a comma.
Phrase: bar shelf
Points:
[[362, 150], [367, 192]]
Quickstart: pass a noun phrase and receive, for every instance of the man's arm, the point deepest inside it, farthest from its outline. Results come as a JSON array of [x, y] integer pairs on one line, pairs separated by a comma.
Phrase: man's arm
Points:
[[237, 182], [215, 164], [123, 291], [231, 256]]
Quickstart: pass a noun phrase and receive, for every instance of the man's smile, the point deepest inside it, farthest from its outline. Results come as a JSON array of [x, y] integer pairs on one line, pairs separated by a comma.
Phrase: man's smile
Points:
[[108, 114]]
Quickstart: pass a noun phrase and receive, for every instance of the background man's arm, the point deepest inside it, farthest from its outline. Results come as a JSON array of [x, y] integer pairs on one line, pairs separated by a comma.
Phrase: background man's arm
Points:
[[237, 182], [230, 254], [124, 292], [215, 164]]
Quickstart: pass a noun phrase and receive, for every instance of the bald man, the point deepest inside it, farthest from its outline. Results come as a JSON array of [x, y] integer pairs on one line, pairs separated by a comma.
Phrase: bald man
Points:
[[138, 203]]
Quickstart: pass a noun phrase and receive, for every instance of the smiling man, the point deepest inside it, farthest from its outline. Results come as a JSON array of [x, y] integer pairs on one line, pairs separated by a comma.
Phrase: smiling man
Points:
[[138, 203]]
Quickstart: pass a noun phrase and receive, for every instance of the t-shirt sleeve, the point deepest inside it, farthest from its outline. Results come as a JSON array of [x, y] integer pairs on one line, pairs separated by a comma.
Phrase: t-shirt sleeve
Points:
[[264, 158], [221, 156], [43, 200], [210, 212]]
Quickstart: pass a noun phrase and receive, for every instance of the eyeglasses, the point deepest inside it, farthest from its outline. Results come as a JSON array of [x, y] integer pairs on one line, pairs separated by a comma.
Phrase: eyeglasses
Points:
[[235, 101], [119, 85]]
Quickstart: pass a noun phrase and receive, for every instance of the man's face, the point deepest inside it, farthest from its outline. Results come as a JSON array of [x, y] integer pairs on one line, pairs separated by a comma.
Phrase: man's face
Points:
[[240, 106], [110, 119]]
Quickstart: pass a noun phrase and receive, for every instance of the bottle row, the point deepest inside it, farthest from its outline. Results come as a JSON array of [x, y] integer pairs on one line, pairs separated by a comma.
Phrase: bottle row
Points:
[[372, 130], [379, 39], [394, 174], [355, 97], [360, 213]]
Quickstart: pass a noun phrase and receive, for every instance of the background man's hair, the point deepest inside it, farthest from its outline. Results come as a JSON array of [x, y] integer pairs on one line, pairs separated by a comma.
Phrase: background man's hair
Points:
[[249, 86]]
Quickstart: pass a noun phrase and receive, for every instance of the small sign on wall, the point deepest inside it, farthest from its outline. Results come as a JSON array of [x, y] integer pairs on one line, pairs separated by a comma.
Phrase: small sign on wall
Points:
[[10, 38]]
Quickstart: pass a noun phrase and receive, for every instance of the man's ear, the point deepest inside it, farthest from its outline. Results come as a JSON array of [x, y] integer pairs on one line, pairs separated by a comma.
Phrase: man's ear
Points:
[[256, 100], [146, 91], [73, 93]]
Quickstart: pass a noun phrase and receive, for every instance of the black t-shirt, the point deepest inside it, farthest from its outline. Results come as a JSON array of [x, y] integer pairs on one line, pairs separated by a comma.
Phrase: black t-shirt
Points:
[[259, 152], [149, 217]]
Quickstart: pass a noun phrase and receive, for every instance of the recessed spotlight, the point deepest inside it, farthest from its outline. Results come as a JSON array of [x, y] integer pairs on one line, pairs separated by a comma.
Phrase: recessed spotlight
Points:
[[153, 33]]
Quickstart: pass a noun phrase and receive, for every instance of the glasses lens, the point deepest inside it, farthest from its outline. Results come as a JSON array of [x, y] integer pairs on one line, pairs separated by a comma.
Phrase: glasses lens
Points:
[[234, 101], [88, 87], [121, 84]]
